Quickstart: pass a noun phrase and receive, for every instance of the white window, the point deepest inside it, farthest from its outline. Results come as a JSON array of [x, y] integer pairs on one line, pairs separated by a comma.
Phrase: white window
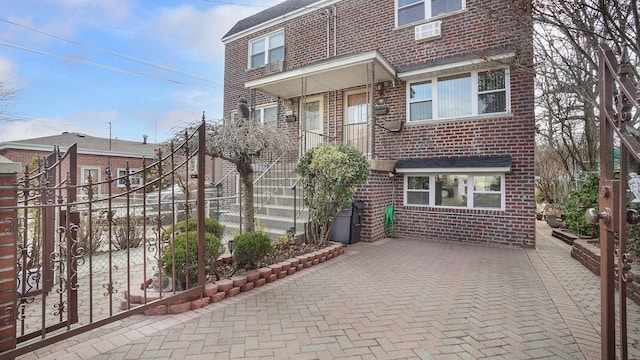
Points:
[[266, 50], [410, 11], [92, 173], [492, 94], [135, 178], [267, 115], [472, 191], [459, 95]]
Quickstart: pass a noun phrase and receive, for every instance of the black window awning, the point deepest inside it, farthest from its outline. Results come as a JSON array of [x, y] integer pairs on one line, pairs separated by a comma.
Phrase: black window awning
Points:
[[467, 164]]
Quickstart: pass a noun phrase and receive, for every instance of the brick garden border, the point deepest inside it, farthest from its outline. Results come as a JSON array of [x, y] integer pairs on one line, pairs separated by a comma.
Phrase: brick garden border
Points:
[[225, 288], [587, 252]]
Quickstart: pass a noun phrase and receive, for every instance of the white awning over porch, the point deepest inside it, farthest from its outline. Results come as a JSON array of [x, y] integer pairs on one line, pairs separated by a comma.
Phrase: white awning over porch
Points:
[[327, 75]]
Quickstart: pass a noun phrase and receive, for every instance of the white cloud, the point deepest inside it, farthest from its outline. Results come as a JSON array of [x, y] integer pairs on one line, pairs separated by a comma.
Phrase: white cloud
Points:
[[198, 32], [28, 129], [95, 11], [7, 70]]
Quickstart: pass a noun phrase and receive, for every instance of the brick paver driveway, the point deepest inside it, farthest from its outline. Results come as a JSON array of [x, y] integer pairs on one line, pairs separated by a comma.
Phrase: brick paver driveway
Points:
[[393, 299]]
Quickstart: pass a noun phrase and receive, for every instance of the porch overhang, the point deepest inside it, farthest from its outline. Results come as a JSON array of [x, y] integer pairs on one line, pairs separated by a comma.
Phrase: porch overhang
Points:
[[327, 75], [455, 164]]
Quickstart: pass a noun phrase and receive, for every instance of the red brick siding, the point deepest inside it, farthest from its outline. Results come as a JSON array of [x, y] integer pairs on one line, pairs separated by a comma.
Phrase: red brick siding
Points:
[[361, 26], [7, 255]]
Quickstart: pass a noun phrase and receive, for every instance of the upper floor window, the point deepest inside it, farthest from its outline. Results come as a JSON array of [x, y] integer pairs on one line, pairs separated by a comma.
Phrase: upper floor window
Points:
[[466, 94], [266, 50], [410, 11]]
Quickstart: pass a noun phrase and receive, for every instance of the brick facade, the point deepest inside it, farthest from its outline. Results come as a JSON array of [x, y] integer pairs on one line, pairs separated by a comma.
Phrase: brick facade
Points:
[[8, 228], [482, 29]]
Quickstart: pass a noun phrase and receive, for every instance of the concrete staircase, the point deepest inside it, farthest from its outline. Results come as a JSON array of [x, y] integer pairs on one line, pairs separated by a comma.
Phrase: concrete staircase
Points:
[[274, 202]]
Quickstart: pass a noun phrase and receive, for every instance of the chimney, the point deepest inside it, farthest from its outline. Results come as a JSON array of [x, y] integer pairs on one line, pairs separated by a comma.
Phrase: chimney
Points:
[[144, 138]]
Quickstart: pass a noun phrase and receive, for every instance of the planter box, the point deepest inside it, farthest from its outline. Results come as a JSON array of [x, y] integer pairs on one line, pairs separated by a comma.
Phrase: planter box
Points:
[[554, 221]]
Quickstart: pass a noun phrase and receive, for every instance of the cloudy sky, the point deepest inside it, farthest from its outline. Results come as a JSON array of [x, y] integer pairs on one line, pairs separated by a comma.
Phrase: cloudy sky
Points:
[[125, 67]]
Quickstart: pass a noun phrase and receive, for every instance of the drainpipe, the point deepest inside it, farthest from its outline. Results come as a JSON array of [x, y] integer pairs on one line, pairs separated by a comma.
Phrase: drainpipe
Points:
[[328, 13], [335, 30]]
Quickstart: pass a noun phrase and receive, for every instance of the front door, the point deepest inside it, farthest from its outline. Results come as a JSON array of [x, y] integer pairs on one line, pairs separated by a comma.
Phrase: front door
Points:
[[313, 122], [355, 125]]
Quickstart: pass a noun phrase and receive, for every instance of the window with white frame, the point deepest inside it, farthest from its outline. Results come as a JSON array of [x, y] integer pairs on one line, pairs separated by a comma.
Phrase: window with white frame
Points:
[[266, 50], [410, 11], [267, 115], [459, 95], [93, 173], [135, 178], [472, 191]]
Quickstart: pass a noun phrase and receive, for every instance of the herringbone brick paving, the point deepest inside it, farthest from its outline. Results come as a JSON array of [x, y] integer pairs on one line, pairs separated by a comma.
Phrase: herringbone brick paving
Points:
[[393, 299]]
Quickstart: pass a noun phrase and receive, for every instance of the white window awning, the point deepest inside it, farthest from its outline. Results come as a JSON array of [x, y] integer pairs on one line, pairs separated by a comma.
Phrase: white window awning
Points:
[[336, 73]]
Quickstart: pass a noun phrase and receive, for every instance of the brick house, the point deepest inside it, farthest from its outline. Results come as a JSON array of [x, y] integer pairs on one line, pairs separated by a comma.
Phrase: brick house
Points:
[[95, 155], [439, 95]]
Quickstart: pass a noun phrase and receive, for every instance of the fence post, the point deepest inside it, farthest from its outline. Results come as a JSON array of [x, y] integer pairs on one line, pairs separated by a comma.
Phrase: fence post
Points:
[[8, 229]]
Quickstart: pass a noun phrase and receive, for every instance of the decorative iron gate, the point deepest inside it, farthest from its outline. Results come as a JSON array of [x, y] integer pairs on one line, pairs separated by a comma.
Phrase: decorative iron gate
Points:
[[83, 250], [619, 102]]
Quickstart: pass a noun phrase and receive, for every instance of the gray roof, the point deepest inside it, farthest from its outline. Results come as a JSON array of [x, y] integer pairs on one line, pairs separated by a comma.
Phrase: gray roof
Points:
[[85, 143], [461, 162], [271, 13]]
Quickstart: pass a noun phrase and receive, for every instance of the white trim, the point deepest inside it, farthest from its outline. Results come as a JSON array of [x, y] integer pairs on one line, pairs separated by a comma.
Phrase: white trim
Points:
[[469, 190], [324, 67], [435, 103], [266, 38], [138, 176], [311, 8], [427, 17], [83, 179], [449, 69]]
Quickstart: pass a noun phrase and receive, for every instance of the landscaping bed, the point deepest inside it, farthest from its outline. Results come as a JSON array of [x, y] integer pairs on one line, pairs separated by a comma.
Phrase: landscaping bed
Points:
[[234, 282]]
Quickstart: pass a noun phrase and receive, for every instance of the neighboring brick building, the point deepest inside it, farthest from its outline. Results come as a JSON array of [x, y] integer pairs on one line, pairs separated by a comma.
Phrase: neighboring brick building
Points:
[[438, 94], [94, 155]]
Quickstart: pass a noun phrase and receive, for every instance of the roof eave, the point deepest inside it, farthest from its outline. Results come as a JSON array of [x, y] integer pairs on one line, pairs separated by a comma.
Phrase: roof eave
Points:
[[279, 85]]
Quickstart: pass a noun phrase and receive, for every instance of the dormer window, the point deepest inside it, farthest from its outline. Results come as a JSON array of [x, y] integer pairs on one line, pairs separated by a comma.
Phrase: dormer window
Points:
[[410, 11], [266, 50]]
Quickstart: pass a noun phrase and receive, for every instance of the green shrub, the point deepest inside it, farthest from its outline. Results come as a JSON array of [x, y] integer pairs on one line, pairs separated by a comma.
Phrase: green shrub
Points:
[[330, 175], [211, 226], [213, 248], [580, 199], [250, 248]]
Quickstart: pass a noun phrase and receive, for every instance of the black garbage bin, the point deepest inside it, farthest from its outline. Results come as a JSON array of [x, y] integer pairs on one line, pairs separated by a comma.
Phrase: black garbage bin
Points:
[[342, 228], [356, 220]]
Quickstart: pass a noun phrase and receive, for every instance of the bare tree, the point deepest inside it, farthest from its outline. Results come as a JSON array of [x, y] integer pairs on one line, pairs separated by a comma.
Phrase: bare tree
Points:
[[552, 181], [240, 141], [566, 37], [7, 94]]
